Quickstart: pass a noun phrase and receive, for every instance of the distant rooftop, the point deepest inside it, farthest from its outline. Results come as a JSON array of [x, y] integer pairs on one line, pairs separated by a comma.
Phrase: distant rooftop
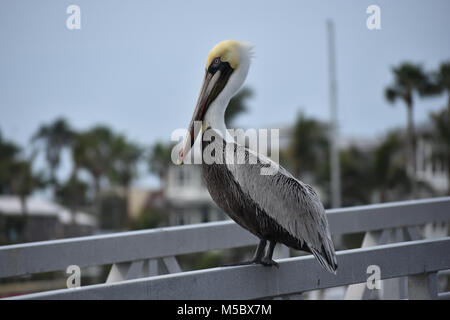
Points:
[[11, 205]]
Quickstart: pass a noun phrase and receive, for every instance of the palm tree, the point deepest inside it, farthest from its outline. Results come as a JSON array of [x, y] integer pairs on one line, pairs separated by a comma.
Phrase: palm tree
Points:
[[16, 176], [8, 153], [55, 137], [409, 79], [125, 158], [439, 136], [389, 169], [442, 81], [159, 159], [442, 123], [92, 150], [237, 105], [308, 146], [22, 183], [357, 176], [73, 193]]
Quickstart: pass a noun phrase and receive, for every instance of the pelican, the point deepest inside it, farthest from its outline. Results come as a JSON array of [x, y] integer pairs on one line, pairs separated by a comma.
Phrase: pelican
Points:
[[277, 208]]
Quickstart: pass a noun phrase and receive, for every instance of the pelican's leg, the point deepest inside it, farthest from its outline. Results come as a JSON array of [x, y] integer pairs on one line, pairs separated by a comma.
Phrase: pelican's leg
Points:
[[257, 258], [267, 260]]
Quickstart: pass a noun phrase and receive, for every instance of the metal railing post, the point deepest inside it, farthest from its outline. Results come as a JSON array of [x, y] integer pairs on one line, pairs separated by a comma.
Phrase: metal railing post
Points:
[[422, 286]]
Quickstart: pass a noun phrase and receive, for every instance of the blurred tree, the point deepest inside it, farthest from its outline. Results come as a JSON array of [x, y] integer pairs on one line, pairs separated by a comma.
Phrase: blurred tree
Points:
[[16, 176], [208, 260], [357, 176], [442, 82], [22, 182], [8, 153], [73, 193], [442, 122], [439, 136], [408, 79], [159, 159], [55, 137], [389, 167], [308, 147], [237, 105], [93, 151], [285, 158], [204, 260], [125, 158], [148, 218], [113, 211]]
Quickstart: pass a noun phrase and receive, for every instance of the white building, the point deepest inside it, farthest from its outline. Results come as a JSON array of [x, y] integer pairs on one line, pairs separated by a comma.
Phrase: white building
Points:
[[187, 199], [39, 220]]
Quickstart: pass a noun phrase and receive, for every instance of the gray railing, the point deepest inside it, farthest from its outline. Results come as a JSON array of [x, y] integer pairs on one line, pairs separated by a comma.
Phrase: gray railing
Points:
[[151, 253], [294, 276]]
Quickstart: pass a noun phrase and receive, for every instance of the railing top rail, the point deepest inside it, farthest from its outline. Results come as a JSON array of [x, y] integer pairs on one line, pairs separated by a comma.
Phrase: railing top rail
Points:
[[388, 215], [55, 255], [252, 282]]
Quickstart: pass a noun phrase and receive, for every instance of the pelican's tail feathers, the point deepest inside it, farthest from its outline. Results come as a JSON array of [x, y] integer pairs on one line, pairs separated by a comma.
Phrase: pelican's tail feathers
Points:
[[327, 259]]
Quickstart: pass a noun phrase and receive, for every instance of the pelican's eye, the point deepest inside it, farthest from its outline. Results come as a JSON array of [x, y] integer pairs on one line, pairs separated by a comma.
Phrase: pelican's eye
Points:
[[215, 65]]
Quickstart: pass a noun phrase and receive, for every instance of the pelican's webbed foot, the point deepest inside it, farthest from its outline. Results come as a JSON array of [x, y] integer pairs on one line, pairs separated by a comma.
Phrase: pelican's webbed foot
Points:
[[264, 262], [245, 263], [267, 260], [257, 259], [269, 263]]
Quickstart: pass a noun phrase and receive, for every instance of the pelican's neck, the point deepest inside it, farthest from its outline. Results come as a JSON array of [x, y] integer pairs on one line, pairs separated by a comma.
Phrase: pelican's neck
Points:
[[215, 116]]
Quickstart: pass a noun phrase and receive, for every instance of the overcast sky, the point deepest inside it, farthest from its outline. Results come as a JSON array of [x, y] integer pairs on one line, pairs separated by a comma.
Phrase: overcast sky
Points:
[[137, 65]]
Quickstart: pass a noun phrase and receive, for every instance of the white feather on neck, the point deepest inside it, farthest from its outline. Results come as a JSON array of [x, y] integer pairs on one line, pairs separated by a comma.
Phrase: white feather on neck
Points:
[[215, 116]]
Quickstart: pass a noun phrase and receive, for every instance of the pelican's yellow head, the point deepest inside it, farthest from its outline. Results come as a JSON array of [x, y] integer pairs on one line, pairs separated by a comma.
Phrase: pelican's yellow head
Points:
[[226, 51], [226, 68]]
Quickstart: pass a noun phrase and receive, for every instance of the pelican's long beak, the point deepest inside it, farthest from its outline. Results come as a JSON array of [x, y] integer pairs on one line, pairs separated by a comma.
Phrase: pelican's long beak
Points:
[[213, 83]]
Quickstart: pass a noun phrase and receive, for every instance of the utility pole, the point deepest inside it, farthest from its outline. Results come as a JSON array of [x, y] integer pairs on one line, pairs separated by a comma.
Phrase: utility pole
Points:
[[334, 151]]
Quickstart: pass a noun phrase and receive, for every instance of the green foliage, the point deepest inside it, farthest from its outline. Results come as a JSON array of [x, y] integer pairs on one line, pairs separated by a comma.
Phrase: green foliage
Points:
[[357, 181], [204, 260], [159, 158], [54, 136], [73, 193], [390, 166], [352, 241], [8, 155], [439, 136], [23, 180], [125, 157], [237, 105], [409, 77], [92, 150], [16, 174], [208, 260], [308, 149], [442, 78], [113, 212], [148, 219]]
